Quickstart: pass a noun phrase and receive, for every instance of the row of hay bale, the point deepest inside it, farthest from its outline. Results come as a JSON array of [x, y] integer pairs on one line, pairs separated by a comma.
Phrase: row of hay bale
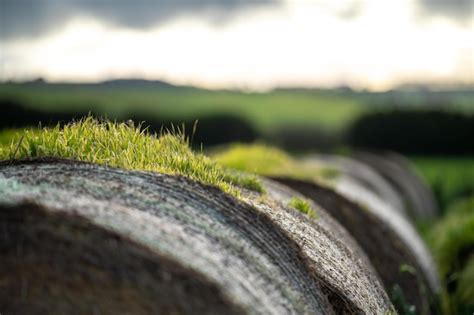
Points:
[[79, 238], [359, 199]]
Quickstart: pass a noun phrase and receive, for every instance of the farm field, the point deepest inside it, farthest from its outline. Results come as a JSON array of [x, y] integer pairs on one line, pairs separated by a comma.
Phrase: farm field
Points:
[[450, 178], [452, 181], [264, 110], [330, 110]]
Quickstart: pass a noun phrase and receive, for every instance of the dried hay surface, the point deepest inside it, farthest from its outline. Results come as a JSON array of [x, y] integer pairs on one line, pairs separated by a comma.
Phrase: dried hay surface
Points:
[[394, 252], [362, 173], [335, 256]]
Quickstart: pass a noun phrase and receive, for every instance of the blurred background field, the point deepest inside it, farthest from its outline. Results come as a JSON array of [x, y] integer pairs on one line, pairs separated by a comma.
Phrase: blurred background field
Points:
[[330, 110], [451, 178], [118, 99]]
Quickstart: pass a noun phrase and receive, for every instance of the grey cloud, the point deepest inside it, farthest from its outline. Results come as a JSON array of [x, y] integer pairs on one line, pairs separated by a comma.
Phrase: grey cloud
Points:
[[28, 18], [460, 10]]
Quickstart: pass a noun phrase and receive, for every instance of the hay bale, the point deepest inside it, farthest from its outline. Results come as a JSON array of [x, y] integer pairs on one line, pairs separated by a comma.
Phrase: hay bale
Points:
[[418, 198], [332, 253], [77, 238], [364, 174], [391, 243]]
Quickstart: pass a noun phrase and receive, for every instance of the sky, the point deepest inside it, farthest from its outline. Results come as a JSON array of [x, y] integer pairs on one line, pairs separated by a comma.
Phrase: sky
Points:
[[256, 45]]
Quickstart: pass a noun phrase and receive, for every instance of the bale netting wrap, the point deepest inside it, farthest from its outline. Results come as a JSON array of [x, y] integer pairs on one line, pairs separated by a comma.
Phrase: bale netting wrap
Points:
[[381, 242], [334, 255], [362, 173], [396, 221], [56, 261], [386, 212], [197, 227], [78, 238], [419, 199]]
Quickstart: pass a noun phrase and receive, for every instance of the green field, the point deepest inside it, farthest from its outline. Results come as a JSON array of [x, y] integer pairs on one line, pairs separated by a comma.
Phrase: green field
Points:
[[328, 109], [451, 178], [265, 111], [451, 236]]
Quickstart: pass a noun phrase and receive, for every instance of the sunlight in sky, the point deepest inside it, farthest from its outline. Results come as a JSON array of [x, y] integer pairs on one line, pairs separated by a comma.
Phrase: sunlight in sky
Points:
[[373, 44]]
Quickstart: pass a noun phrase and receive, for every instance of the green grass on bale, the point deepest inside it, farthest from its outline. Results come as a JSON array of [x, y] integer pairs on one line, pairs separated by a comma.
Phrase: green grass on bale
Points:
[[303, 206], [7, 136], [125, 146], [452, 241], [270, 161]]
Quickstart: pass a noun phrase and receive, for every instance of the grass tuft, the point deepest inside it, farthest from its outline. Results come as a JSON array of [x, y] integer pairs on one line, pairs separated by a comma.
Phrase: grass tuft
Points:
[[126, 146], [7, 136], [304, 206], [270, 161]]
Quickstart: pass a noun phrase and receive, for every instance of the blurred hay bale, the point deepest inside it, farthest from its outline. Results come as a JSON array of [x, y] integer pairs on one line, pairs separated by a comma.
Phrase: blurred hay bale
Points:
[[332, 252], [391, 243], [363, 174], [418, 198]]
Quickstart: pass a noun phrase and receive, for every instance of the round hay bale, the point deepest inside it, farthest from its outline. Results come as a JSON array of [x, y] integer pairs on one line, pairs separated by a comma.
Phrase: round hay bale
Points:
[[364, 174], [418, 198], [332, 252], [77, 238], [392, 245]]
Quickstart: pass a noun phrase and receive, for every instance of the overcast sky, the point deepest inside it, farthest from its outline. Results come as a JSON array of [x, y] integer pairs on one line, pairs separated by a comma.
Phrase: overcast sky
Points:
[[240, 44]]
